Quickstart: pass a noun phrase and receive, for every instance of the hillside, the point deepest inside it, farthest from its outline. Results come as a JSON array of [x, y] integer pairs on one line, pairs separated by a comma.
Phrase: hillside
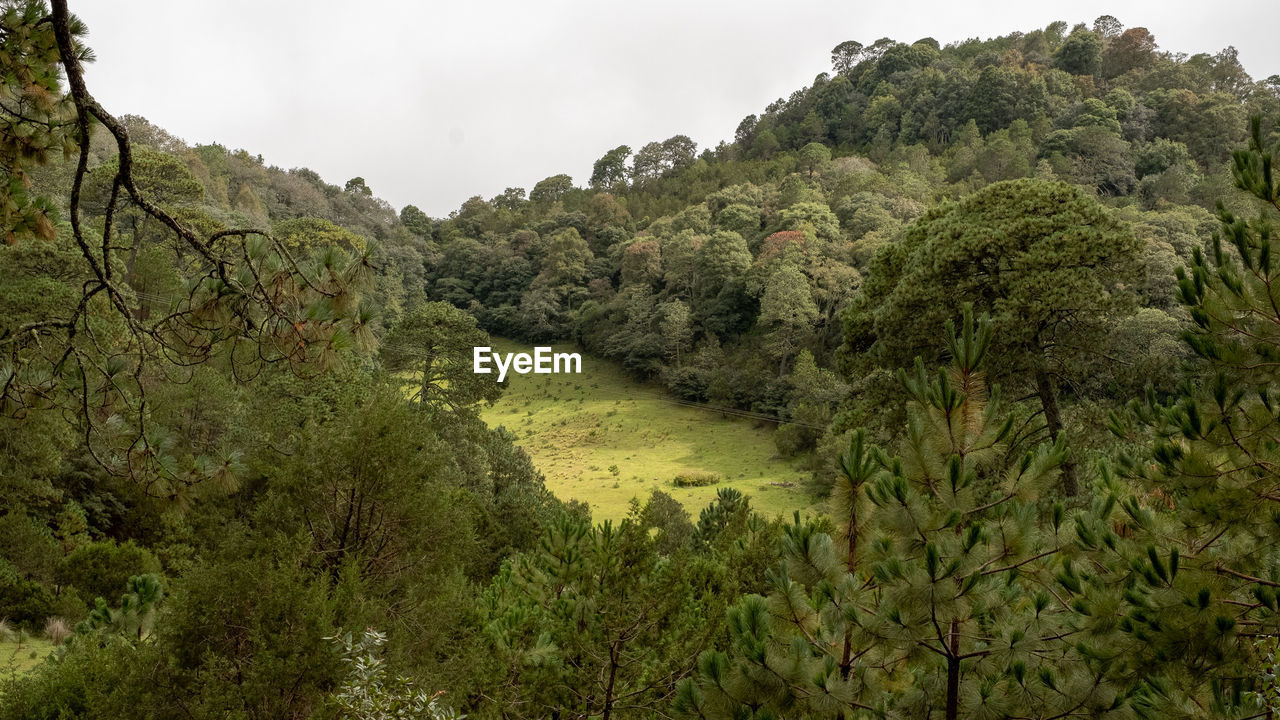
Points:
[[1011, 302]]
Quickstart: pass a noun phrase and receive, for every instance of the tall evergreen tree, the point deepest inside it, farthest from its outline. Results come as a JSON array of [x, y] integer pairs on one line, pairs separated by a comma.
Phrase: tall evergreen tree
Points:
[[1210, 483], [933, 596]]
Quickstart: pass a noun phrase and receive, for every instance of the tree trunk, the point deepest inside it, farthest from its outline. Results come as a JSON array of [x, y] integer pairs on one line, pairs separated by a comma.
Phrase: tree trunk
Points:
[[613, 674], [953, 673], [1053, 418]]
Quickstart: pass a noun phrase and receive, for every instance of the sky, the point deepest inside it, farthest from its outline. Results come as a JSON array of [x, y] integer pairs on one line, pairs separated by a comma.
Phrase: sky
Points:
[[434, 102]]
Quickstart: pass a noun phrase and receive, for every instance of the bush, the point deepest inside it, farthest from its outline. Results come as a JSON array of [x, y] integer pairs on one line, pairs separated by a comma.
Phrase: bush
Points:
[[56, 630], [90, 680], [28, 546], [25, 602], [102, 569], [695, 479]]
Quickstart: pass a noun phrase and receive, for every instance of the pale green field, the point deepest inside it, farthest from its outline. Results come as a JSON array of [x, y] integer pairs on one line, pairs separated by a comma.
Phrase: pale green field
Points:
[[576, 426], [19, 659]]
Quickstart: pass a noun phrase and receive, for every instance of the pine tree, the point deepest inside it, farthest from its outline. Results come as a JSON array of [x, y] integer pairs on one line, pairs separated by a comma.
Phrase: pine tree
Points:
[[933, 595], [1209, 486], [597, 623]]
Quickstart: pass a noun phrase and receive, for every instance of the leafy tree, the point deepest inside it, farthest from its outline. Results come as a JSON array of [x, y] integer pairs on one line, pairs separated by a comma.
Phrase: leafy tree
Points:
[[564, 259], [357, 185], [1134, 49], [813, 155], [102, 569], [845, 56], [814, 217], [1107, 26], [242, 291], [787, 311], [1046, 260], [722, 258], [416, 221], [431, 347], [641, 262], [549, 190], [678, 151], [309, 233], [513, 198], [611, 169], [677, 328], [1080, 53], [163, 178], [649, 162]]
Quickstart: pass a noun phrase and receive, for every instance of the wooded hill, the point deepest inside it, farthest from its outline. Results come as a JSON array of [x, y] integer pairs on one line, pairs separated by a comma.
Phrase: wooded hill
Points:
[[1014, 300]]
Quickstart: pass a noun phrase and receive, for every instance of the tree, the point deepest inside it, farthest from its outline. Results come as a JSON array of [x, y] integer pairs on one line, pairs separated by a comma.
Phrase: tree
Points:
[[845, 56], [787, 311], [431, 347], [163, 178], [511, 199], [564, 259], [136, 616], [928, 598], [368, 694], [1080, 53], [357, 185], [307, 233], [597, 623], [1135, 48], [813, 155], [676, 327], [242, 292], [1107, 26], [610, 170], [416, 221], [1206, 483], [1046, 260], [549, 190], [641, 262], [37, 117], [678, 151], [649, 162]]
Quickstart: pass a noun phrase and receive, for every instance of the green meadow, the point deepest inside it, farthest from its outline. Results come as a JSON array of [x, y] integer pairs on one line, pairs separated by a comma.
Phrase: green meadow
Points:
[[19, 658], [602, 438]]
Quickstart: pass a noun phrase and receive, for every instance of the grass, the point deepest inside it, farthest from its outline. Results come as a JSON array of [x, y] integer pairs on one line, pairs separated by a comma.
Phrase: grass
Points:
[[602, 438], [18, 659]]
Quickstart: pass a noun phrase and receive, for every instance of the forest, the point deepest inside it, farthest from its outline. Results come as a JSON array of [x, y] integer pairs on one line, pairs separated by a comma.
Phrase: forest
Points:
[[1010, 304]]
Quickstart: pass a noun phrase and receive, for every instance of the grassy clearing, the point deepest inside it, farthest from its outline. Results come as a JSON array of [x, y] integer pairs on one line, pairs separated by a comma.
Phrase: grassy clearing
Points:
[[18, 659], [602, 438]]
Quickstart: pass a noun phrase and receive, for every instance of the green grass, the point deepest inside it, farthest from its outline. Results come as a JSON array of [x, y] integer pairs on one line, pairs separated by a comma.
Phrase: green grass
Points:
[[20, 659], [577, 427]]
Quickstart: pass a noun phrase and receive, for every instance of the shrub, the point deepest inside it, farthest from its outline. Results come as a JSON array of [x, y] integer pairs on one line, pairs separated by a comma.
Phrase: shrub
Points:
[[368, 693], [101, 569], [56, 630], [694, 478], [25, 602]]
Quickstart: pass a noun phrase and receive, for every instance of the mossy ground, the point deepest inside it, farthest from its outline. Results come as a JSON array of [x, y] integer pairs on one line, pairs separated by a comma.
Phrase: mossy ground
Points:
[[577, 426]]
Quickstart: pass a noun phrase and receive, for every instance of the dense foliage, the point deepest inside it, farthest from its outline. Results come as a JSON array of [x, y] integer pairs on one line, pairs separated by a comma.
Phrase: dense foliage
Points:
[[238, 418]]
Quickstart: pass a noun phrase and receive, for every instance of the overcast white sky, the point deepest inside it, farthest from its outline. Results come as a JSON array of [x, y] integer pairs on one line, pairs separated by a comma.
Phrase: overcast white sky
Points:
[[435, 102]]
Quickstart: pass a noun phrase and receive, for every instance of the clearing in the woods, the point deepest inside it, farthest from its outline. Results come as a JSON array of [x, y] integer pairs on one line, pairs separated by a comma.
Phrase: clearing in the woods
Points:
[[602, 438]]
